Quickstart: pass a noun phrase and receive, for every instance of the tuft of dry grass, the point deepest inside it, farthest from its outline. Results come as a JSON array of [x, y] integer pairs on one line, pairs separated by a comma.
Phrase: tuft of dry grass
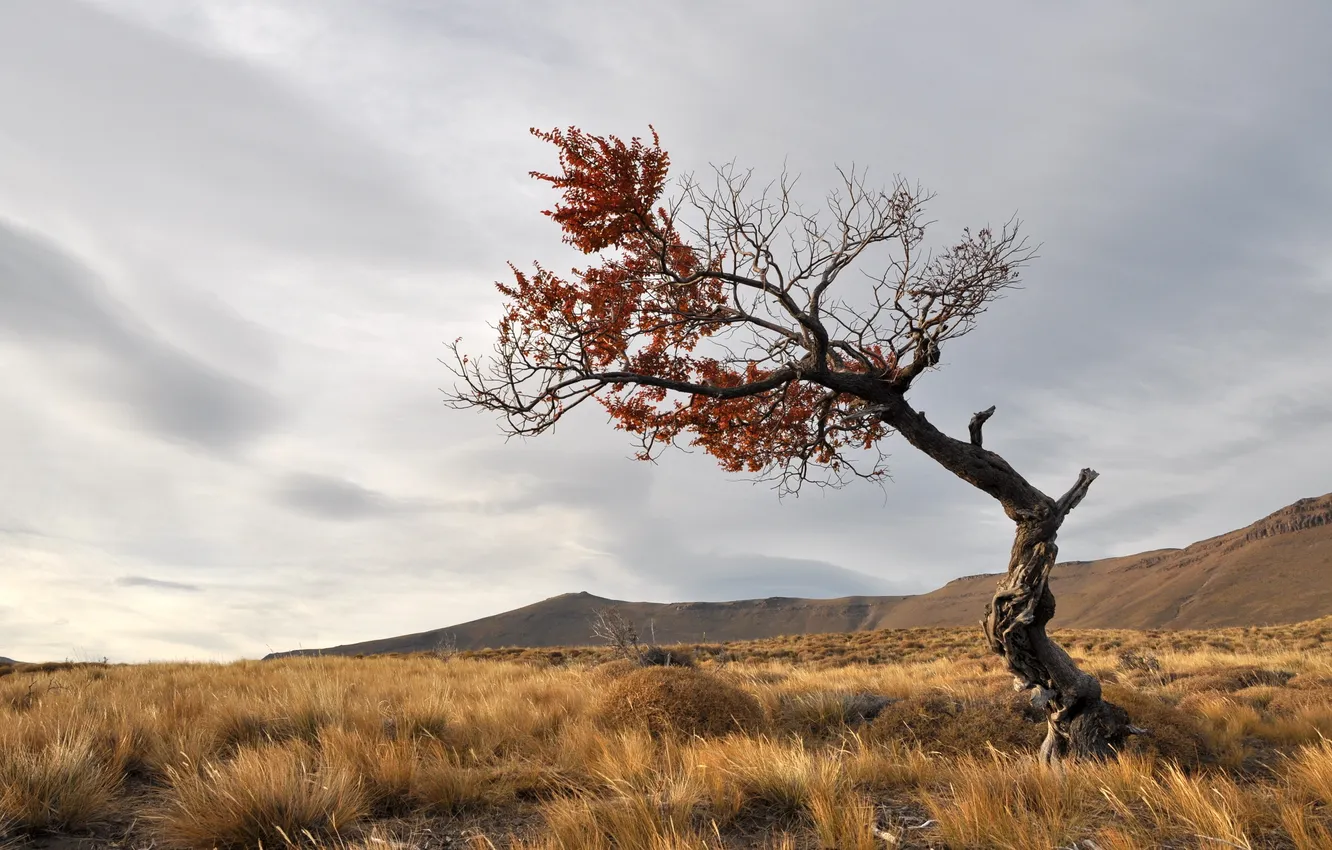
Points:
[[55, 775], [273, 795], [618, 823], [1014, 803], [1309, 773]]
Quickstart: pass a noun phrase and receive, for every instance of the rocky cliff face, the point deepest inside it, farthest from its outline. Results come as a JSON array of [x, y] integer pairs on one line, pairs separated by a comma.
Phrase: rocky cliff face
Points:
[[1306, 513]]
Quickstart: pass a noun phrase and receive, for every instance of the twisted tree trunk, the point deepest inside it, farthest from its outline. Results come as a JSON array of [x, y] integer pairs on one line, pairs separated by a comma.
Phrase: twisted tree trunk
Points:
[[1081, 724]]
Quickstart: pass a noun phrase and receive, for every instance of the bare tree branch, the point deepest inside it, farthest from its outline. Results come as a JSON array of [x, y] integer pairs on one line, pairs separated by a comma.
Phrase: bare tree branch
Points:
[[1076, 493], [610, 626], [977, 423]]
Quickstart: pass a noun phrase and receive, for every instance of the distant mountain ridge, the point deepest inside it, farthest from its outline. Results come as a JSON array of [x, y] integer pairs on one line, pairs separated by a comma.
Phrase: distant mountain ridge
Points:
[[1276, 570]]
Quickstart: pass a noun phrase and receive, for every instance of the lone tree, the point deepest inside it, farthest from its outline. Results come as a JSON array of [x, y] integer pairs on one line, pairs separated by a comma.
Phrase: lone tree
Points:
[[740, 333]]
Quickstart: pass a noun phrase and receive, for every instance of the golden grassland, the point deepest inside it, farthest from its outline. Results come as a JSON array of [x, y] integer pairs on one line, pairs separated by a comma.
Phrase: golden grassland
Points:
[[910, 738]]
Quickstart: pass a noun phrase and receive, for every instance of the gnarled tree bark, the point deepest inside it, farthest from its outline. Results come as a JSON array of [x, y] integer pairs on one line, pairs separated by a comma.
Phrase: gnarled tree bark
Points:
[[1080, 722]]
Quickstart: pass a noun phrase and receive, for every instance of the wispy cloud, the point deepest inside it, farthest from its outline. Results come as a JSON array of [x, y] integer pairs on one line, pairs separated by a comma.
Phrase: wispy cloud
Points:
[[156, 584]]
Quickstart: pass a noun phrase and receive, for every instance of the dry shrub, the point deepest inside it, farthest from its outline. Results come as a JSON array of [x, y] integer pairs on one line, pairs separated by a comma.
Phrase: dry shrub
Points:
[[784, 783], [1230, 727], [679, 700], [234, 729], [1175, 734], [1142, 662], [1130, 802], [151, 747], [1229, 679], [54, 778], [624, 759], [1210, 805], [52, 667], [754, 676], [940, 721], [1258, 696], [272, 795], [493, 742]]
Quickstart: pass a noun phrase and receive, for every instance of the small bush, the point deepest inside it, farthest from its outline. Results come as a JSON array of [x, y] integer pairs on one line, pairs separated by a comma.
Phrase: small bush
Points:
[[679, 700], [939, 721]]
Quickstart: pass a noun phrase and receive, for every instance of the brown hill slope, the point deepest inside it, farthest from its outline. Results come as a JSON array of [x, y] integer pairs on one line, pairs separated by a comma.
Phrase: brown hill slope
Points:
[[565, 620], [1277, 570]]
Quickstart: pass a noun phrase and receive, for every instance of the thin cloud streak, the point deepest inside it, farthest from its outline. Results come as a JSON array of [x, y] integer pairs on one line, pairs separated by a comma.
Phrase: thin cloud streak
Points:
[[156, 584]]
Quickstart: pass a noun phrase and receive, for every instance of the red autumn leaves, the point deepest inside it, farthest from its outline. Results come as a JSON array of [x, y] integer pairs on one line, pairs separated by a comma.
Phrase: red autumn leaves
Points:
[[627, 328]]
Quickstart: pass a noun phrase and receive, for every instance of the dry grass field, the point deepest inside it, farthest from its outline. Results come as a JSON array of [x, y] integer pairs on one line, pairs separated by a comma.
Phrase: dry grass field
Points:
[[868, 740]]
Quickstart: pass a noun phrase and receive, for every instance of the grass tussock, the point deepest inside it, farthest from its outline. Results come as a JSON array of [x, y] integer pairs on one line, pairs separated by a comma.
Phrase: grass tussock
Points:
[[55, 776], [821, 741], [679, 700], [272, 795]]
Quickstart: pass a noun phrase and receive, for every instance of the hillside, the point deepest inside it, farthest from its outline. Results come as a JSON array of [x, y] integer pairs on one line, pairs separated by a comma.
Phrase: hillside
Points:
[[1277, 570], [564, 621]]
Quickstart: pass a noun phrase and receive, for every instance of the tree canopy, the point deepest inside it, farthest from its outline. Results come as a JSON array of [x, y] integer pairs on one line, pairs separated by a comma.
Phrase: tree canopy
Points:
[[719, 318]]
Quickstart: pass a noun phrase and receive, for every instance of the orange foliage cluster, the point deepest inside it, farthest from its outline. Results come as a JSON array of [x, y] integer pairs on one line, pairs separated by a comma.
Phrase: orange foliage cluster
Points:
[[630, 325]]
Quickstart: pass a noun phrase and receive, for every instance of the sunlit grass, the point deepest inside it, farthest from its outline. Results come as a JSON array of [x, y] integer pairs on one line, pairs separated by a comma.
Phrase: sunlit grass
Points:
[[508, 750]]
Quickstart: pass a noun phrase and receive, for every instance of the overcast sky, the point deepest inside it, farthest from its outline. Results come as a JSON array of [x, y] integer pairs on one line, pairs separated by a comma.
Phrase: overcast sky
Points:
[[234, 236]]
